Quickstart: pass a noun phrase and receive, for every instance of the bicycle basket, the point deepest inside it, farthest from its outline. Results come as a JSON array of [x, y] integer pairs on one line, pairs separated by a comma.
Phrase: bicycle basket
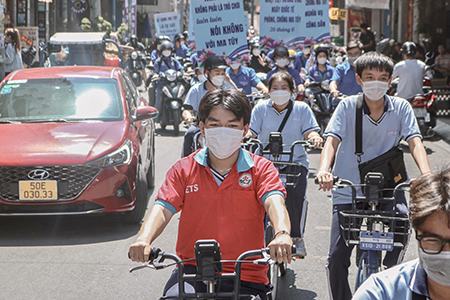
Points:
[[352, 224]]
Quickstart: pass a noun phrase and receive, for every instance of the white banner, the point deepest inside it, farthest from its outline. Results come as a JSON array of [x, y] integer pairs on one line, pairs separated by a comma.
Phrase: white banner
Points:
[[377, 4], [167, 24]]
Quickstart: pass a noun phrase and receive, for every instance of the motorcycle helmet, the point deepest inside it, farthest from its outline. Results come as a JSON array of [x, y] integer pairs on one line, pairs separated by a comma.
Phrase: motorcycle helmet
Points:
[[292, 53], [160, 39], [281, 52], [409, 48], [166, 48], [133, 40], [255, 48], [186, 35], [179, 37], [214, 62]]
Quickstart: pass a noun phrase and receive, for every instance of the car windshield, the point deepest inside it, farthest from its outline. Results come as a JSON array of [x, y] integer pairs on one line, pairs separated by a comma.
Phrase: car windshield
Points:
[[60, 99]]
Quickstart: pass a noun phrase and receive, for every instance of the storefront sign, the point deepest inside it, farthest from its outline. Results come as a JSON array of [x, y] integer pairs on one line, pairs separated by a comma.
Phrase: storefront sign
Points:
[[29, 36], [372, 4], [334, 13], [79, 6]]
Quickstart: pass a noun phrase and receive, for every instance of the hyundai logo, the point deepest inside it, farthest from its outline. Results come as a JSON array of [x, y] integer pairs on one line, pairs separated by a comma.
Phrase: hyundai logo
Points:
[[38, 174]]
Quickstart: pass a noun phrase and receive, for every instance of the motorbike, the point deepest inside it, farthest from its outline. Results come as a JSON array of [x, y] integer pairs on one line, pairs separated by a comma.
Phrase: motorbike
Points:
[[424, 108], [136, 67], [255, 97], [318, 97], [173, 92]]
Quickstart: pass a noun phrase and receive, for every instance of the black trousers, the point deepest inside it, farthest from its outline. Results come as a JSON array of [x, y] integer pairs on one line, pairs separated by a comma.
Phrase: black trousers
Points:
[[188, 142], [247, 288], [339, 254], [296, 203]]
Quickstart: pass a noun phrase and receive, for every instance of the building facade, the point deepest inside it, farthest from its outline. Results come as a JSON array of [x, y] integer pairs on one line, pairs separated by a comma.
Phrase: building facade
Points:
[[400, 20]]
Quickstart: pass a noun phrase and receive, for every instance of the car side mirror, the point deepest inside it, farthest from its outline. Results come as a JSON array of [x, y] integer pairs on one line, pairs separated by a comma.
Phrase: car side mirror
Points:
[[144, 113]]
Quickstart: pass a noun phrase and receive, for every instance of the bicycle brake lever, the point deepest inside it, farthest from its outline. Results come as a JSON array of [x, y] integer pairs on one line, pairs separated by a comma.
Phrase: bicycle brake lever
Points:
[[141, 267], [158, 265], [263, 261]]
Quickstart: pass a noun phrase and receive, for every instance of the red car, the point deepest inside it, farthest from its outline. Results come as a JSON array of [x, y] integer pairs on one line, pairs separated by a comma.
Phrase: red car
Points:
[[75, 140]]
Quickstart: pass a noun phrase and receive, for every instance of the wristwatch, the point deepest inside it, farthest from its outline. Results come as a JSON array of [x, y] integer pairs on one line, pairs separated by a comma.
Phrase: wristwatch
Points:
[[281, 232]]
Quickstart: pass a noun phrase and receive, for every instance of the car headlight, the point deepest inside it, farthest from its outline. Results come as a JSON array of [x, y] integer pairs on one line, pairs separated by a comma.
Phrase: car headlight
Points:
[[166, 92], [121, 156], [181, 91], [134, 55]]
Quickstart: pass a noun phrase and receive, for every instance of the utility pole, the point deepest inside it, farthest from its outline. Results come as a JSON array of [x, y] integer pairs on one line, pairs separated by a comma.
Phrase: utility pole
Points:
[[180, 9], [253, 13], [114, 14]]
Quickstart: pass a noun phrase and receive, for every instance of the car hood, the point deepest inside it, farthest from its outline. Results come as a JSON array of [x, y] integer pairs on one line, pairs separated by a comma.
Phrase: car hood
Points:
[[35, 144]]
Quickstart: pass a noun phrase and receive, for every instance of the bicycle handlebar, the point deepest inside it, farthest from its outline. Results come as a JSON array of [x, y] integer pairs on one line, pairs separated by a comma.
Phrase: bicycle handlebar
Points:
[[156, 253], [343, 183], [290, 152]]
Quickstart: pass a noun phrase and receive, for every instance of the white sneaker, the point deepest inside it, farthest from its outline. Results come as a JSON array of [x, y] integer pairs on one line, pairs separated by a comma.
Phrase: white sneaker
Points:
[[300, 248]]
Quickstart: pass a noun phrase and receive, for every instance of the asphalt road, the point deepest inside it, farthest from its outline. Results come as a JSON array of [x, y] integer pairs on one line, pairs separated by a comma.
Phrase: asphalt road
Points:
[[86, 257]]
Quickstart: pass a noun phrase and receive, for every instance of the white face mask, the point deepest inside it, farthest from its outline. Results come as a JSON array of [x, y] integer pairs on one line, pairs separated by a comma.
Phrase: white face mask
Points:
[[322, 60], [167, 53], [223, 141], [280, 97], [235, 65], [256, 52], [218, 80], [437, 266], [375, 90], [282, 62]]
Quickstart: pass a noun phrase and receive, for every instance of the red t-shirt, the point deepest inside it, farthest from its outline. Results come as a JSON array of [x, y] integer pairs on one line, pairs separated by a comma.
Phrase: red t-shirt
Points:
[[232, 213]]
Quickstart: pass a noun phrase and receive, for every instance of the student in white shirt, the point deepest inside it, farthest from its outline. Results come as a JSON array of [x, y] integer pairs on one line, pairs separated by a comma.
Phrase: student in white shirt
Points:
[[410, 72]]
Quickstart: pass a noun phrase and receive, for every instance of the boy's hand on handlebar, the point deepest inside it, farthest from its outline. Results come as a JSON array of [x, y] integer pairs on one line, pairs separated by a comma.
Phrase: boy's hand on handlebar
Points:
[[325, 180], [281, 248], [139, 251]]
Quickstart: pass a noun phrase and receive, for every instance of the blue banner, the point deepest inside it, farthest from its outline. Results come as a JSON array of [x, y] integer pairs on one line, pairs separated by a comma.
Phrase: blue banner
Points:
[[220, 26], [294, 22]]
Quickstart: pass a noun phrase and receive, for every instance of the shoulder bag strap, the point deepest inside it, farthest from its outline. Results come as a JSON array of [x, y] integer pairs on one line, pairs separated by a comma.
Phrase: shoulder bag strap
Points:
[[290, 107], [286, 117], [359, 127]]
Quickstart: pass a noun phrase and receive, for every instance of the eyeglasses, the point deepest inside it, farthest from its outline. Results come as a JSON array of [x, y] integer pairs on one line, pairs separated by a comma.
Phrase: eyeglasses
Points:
[[431, 244]]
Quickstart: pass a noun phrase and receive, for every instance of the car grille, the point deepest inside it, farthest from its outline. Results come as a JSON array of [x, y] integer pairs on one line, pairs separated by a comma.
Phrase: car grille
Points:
[[72, 180]]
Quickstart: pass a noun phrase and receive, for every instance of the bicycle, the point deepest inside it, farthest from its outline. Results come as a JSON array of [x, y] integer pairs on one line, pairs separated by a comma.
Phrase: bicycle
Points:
[[289, 173], [209, 270], [371, 227]]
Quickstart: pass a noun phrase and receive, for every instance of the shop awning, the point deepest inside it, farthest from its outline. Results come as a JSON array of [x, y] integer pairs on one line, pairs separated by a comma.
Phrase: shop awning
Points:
[[373, 4]]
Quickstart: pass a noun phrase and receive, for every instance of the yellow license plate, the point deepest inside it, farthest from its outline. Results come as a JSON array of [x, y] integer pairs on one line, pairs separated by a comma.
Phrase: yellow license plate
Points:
[[38, 190]]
